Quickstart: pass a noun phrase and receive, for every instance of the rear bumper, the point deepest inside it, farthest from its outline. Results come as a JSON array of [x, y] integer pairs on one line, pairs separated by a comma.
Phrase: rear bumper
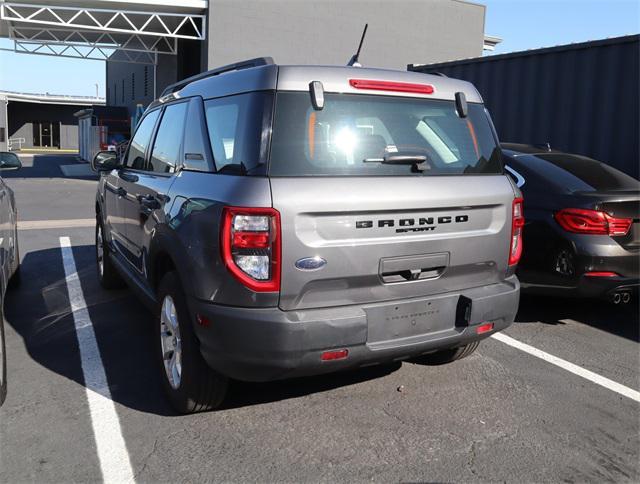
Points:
[[590, 258], [263, 344], [606, 286]]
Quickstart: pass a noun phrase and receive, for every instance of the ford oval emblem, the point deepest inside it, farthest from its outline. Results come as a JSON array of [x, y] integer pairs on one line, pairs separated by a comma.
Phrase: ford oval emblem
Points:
[[310, 263]]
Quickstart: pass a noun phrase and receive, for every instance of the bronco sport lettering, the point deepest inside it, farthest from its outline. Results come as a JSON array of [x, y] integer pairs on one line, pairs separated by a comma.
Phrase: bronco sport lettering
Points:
[[413, 224]]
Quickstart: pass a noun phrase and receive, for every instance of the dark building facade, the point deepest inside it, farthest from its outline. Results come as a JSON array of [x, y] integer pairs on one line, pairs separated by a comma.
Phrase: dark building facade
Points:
[[581, 98], [43, 125]]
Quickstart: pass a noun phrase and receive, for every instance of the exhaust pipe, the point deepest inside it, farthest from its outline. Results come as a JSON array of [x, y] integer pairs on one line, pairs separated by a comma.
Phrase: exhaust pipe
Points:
[[626, 297], [616, 298]]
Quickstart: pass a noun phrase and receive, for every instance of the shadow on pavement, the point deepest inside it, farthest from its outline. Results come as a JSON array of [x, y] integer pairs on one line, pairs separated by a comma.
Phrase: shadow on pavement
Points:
[[39, 311], [47, 166], [621, 320], [244, 394]]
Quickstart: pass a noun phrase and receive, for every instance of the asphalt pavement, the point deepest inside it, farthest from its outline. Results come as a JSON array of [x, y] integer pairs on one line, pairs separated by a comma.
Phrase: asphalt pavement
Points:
[[501, 414]]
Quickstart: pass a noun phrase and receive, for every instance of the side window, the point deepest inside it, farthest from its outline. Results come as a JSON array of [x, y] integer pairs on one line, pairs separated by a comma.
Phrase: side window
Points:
[[140, 141], [222, 121], [197, 156], [235, 126], [165, 155]]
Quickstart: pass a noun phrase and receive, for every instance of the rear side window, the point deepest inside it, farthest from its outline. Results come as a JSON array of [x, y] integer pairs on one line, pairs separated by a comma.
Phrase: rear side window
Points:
[[235, 126], [353, 134], [165, 155], [195, 145], [140, 141]]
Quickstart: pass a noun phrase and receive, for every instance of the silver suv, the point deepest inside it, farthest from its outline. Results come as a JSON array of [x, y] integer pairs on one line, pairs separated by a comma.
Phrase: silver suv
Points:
[[285, 221]]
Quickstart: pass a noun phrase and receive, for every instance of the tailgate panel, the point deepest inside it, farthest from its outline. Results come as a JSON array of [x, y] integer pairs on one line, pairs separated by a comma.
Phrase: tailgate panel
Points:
[[455, 228]]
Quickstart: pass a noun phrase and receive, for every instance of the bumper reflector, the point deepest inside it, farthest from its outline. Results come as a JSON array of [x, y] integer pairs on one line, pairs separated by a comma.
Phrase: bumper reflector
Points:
[[601, 274], [334, 355], [484, 328]]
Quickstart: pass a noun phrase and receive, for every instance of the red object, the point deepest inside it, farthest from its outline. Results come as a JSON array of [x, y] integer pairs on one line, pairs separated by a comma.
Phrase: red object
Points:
[[266, 240], [251, 240], [593, 222], [484, 328], [391, 86], [517, 222], [202, 320], [334, 355], [601, 274]]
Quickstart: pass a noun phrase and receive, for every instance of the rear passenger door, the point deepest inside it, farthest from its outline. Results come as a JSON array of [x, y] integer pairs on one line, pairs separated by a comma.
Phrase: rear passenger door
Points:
[[147, 196]]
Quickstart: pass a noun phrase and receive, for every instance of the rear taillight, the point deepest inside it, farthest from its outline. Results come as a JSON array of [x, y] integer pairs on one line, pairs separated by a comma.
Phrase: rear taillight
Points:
[[594, 222], [517, 222], [251, 246]]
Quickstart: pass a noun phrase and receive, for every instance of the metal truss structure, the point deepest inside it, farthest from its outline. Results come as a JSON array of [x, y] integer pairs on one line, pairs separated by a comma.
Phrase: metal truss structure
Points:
[[84, 52], [96, 33], [107, 40]]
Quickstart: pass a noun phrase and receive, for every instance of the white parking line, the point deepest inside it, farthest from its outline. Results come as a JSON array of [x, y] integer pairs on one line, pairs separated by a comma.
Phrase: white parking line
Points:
[[575, 369], [56, 224], [112, 452]]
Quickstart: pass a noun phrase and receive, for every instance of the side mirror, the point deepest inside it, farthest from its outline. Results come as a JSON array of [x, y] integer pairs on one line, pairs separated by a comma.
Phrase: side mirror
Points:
[[105, 161], [461, 105], [9, 161]]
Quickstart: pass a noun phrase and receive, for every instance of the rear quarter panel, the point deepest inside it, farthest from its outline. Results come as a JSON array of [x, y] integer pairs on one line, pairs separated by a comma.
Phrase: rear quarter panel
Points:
[[193, 222]]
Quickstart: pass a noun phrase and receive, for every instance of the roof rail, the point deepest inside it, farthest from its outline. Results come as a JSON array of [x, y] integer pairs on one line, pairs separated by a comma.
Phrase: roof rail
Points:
[[246, 64]]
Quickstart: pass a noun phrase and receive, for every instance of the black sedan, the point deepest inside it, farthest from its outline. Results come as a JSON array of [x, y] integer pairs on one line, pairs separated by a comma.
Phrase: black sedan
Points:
[[582, 231], [9, 258]]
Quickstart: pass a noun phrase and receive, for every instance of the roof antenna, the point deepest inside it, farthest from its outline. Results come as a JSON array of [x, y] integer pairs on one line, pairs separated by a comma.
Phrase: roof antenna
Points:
[[354, 60]]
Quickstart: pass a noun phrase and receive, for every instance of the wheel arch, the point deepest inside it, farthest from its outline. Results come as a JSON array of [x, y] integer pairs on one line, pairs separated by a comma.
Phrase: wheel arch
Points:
[[166, 254]]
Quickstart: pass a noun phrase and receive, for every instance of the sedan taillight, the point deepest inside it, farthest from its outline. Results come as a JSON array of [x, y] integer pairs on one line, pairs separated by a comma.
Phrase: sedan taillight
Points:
[[517, 222], [250, 246], [594, 222]]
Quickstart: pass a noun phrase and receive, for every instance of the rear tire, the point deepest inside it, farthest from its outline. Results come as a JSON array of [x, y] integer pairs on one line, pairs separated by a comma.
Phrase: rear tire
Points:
[[107, 273], [191, 385], [450, 355]]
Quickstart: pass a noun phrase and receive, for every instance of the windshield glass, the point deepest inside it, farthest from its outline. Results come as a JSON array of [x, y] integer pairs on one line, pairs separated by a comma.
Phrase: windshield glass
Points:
[[364, 135]]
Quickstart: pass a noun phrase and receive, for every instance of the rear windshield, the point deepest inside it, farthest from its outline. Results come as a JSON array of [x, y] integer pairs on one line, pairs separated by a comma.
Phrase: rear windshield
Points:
[[595, 174], [364, 135]]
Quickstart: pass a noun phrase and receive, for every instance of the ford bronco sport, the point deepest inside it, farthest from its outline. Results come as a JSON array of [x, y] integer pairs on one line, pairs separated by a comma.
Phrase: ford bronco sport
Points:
[[284, 221]]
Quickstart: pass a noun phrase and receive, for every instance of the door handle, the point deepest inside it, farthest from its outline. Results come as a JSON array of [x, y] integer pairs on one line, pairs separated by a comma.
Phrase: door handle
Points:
[[413, 268], [148, 204], [121, 192]]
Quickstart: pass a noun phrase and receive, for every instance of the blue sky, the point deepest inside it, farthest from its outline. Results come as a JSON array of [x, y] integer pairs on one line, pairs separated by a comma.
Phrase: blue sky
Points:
[[527, 24], [523, 24]]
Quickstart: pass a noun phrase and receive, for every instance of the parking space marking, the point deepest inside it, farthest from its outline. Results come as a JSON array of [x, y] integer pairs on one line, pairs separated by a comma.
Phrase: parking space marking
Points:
[[112, 452], [566, 365], [56, 224]]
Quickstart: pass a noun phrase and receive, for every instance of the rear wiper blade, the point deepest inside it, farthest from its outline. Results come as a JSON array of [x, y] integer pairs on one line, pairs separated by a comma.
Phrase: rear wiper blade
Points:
[[419, 161], [395, 159]]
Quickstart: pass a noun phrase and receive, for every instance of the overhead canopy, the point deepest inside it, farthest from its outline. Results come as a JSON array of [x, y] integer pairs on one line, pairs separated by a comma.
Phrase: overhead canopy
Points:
[[47, 98], [117, 30]]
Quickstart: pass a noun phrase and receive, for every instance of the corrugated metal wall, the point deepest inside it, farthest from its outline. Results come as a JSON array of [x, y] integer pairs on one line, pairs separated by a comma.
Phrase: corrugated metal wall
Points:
[[582, 98]]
